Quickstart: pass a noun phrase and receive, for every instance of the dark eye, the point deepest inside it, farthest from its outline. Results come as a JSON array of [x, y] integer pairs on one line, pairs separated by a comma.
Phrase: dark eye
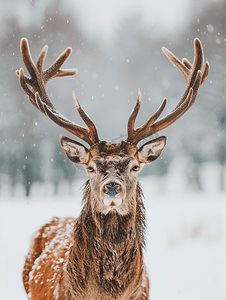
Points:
[[135, 168], [90, 169]]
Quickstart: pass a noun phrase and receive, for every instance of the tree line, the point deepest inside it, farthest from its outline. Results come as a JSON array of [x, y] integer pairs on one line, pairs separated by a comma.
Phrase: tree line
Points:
[[106, 86]]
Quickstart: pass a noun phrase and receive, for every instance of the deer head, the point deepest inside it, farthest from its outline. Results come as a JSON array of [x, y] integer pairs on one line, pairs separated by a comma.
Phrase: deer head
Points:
[[112, 167]]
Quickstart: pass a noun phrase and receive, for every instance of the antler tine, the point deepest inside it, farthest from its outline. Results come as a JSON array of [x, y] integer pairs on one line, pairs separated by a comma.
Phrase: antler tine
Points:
[[26, 57], [38, 95], [131, 121], [23, 82], [133, 134], [143, 131], [41, 58], [54, 70], [187, 64], [86, 119], [194, 79], [206, 72]]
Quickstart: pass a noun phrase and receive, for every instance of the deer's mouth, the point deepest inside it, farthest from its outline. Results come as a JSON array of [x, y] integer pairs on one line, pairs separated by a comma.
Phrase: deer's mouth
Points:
[[113, 202]]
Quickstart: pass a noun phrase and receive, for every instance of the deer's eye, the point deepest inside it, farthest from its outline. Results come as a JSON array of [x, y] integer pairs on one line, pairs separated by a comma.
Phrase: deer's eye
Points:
[[135, 168], [90, 169]]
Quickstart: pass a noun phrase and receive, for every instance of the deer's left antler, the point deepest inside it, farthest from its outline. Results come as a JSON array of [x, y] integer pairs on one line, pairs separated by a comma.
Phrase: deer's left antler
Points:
[[194, 79]]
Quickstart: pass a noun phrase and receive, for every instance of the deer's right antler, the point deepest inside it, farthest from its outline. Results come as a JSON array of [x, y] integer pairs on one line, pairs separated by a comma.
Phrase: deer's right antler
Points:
[[38, 95], [194, 79]]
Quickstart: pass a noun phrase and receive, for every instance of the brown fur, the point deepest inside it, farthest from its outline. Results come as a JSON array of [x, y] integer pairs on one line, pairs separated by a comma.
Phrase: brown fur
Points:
[[77, 259], [99, 255]]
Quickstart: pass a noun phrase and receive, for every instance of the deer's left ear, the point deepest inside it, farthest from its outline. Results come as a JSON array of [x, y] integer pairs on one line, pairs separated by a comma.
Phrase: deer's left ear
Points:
[[151, 150], [75, 151]]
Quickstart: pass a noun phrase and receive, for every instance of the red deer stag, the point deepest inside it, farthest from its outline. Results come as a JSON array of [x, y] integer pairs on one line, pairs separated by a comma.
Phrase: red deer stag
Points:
[[99, 255]]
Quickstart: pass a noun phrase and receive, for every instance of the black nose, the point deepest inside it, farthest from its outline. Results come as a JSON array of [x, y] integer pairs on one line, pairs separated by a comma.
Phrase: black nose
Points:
[[111, 189]]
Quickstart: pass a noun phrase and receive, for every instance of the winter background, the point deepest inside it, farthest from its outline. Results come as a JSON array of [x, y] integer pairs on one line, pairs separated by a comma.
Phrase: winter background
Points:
[[117, 49]]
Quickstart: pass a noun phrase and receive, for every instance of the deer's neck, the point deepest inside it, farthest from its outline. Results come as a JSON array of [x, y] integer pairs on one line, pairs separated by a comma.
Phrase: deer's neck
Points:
[[108, 255]]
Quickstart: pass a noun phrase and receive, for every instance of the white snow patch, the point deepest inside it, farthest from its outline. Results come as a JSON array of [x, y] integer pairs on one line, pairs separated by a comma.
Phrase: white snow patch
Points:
[[186, 242]]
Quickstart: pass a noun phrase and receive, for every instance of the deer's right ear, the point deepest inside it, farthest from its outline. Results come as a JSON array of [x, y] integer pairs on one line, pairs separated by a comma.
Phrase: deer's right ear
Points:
[[75, 151]]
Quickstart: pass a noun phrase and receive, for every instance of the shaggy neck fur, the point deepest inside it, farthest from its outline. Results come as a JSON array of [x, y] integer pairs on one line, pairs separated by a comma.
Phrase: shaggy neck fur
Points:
[[107, 250]]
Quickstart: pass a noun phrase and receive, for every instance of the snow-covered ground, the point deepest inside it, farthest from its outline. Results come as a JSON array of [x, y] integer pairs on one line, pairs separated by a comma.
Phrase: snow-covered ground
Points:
[[186, 241]]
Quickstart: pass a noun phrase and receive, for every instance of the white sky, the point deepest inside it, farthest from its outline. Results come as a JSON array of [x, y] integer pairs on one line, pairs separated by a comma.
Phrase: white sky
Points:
[[102, 17]]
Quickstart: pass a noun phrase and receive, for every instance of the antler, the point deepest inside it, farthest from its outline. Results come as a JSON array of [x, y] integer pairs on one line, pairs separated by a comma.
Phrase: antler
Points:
[[194, 79], [38, 95]]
